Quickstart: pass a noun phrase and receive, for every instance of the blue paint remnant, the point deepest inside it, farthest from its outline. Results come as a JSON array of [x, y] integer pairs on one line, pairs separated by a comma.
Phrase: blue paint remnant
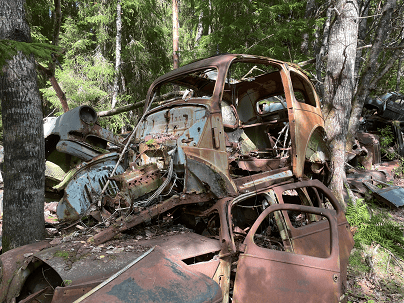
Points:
[[130, 292], [174, 268]]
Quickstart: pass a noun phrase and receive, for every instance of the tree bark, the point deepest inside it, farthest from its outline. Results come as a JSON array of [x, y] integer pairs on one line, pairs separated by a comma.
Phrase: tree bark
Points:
[[175, 35], [117, 52], [199, 29], [24, 147], [57, 22], [399, 73], [339, 87], [370, 70], [362, 32], [322, 52], [310, 11]]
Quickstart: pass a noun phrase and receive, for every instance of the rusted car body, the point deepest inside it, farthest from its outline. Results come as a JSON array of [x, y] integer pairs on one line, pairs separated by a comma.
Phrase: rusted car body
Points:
[[232, 147]]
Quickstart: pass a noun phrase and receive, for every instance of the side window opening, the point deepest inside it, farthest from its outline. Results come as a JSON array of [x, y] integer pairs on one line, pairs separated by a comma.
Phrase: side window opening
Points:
[[269, 235], [262, 134], [198, 84], [290, 231], [244, 214], [302, 90]]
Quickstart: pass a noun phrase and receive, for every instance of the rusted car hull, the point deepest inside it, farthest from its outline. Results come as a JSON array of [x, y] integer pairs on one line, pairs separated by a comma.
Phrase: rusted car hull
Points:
[[218, 150], [158, 277]]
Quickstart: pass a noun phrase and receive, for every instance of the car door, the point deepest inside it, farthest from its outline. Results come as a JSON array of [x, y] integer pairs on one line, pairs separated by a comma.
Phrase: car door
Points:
[[313, 239], [267, 274]]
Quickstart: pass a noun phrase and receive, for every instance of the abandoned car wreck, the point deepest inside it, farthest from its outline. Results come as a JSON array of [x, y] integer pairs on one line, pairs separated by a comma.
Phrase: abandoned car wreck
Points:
[[232, 149]]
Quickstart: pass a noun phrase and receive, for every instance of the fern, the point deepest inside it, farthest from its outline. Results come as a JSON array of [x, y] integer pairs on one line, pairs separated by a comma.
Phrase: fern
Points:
[[377, 228]]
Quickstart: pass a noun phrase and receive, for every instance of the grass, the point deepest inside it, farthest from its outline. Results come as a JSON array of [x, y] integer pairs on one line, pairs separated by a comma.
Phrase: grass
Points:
[[376, 266]]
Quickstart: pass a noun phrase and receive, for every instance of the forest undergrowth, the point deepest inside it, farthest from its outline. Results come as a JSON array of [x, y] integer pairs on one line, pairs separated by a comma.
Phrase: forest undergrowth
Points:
[[376, 264]]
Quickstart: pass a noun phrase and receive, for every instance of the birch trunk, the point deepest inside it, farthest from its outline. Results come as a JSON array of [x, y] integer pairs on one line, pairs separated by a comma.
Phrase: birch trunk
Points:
[[175, 35], [117, 52]]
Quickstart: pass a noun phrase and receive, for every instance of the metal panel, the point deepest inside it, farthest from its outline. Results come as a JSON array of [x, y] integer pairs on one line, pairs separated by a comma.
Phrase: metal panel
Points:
[[14, 269], [390, 195], [76, 149], [72, 293], [86, 185], [185, 246], [265, 275], [158, 277], [318, 233], [183, 124]]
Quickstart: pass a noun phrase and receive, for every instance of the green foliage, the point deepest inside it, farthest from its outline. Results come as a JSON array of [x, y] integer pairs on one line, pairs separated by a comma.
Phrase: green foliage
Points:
[[40, 19], [62, 254], [386, 141], [399, 170], [66, 282], [386, 144], [268, 28], [379, 228], [357, 262], [86, 81], [88, 66], [117, 123], [9, 48], [37, 36]]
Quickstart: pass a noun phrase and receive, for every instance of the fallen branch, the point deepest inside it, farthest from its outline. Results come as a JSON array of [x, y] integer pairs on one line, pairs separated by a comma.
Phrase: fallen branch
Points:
[[138, 104], [61, 95], [122, 109]]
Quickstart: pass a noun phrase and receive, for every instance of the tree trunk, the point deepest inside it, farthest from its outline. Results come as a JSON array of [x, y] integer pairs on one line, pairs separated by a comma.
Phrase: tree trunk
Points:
[[57, 22], [59, 92], [175, 35], [310, 11], [399, 73], [338, 88], [362, 32], [322, 52], [370, 70], [199, 29], [117, 52], [24, 147]]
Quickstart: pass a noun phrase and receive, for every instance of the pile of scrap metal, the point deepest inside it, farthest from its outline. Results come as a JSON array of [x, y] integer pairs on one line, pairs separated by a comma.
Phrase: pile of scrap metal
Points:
[[231, 148], [379, 113], [388, 110]]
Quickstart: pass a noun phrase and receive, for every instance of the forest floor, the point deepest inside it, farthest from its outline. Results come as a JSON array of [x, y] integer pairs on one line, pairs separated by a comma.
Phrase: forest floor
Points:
[[376, 274]]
